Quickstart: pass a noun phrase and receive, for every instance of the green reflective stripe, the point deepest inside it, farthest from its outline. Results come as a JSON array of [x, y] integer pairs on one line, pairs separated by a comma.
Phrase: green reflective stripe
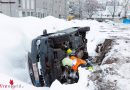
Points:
[[67, 61], [90, 68]]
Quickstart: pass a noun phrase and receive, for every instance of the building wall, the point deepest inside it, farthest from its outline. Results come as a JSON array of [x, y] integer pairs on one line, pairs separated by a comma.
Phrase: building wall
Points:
[[9, 7], [38, 8], [55, 8], [42, 8], [27, 8]]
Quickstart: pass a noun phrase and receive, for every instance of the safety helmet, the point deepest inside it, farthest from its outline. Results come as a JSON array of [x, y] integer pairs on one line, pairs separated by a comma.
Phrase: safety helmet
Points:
[[69, 51]]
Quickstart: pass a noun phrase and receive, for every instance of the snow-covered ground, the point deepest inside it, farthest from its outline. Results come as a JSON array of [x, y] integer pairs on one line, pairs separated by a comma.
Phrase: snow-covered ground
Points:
[[16, 35], [116, 64]]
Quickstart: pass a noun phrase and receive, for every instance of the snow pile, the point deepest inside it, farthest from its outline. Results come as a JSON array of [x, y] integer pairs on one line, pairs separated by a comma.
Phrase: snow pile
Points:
[[118, 71], [5, 84], [115, 67], [16, 35], [84, 83], [12, 51]]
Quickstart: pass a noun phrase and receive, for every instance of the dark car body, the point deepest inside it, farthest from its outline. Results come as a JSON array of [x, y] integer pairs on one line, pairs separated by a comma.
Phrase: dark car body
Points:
[[47, 52]]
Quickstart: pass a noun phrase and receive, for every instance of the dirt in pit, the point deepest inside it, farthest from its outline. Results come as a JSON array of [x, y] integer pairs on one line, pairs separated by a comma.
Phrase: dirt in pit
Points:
[[102, 77]]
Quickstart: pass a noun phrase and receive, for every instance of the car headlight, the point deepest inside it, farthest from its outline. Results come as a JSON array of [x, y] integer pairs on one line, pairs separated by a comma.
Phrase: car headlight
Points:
[[38, 42]]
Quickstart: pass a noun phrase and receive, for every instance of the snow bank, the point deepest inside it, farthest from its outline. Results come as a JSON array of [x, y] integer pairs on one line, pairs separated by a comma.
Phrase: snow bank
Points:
[[116, 72], [83, 84], [12, 51], [5, 84], [16, 35]]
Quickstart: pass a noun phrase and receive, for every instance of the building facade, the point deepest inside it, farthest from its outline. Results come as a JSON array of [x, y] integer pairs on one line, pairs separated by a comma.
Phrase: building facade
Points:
[[27, 8], [9, 7], [38, 8], [55, 8]]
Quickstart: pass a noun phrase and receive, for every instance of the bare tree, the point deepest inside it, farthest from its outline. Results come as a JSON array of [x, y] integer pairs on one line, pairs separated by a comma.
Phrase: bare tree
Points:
[[113, 7], [125, 6], [74, 9], [91, 7]]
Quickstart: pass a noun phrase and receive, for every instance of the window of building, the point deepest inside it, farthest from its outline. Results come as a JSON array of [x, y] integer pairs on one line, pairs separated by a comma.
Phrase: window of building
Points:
[[43, 15], [59, 16], [39, 14], [23, 14], [32, 13], [35, 14], [19, 1], [28, 13]]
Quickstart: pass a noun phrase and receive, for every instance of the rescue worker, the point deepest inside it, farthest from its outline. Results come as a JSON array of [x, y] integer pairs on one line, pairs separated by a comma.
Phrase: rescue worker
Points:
[[74, 62], [71, 64]]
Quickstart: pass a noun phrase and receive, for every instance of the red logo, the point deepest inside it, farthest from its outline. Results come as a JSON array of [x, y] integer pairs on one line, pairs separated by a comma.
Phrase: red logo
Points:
[[11, 82]]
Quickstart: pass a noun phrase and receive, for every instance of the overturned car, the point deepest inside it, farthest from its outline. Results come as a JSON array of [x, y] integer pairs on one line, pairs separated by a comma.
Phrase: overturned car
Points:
[[47, 53]]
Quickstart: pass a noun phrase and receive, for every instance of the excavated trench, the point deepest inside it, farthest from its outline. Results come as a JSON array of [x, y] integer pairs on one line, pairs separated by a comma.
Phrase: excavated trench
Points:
[[102, 50], [108, 63], [98, 75]]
